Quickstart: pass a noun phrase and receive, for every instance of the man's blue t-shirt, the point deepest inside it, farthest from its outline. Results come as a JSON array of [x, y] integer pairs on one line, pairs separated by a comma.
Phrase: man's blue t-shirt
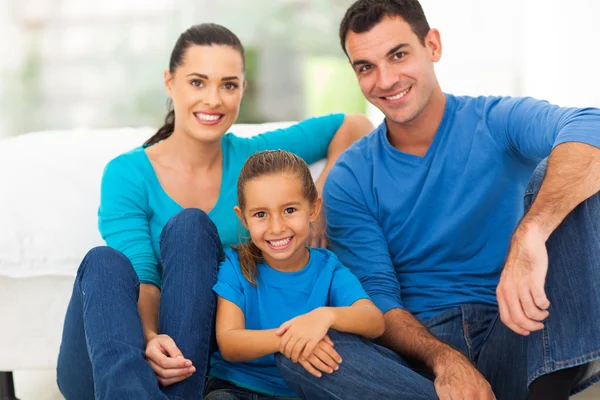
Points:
[[430, 233], [279, 297]]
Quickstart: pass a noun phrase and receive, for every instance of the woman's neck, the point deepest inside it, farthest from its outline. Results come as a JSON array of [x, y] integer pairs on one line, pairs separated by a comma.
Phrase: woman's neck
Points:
[[184, 152]]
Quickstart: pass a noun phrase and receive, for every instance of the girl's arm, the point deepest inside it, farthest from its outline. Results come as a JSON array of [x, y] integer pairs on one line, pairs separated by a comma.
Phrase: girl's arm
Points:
[[238, 344], [302, 334], [361, 318]]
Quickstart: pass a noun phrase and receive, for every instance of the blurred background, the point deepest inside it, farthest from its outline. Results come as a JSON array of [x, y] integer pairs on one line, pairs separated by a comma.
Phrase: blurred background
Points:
[[98, 64]]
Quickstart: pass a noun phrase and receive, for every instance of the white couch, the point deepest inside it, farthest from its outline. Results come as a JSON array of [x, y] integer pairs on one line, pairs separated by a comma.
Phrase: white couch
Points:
[[49, 194]]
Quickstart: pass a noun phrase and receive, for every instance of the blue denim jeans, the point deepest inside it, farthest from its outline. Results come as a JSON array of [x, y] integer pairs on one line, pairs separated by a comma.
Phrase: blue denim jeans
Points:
[[510, 362], [218, 389], [102, 350]]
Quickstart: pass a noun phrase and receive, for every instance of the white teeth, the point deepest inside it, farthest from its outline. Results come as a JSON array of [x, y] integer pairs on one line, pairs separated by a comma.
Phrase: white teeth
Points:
[[208, 117], [278, 243], [399, 95]]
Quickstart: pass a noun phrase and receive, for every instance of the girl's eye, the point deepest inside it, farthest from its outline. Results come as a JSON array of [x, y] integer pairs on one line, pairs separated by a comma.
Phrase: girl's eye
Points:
[[230, 86], [260, 214], [290, 210], [197, 83]]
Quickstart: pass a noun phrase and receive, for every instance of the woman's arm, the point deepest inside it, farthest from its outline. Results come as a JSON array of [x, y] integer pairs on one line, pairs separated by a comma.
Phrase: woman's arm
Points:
[[148, 303], [353, 128], [236, 343]]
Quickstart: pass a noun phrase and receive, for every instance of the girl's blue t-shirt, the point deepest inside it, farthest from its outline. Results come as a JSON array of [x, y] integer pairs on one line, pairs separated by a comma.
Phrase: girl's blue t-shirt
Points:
[[279, 297], [134, 208]]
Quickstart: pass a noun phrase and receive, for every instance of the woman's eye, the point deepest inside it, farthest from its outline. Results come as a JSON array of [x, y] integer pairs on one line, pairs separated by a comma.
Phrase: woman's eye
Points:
[[230, 86], [197, 83], [260, 214], [290, 210]]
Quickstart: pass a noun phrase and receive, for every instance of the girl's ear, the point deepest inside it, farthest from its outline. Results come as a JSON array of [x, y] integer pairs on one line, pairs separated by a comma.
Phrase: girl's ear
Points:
[[316, 209], [238, 212]]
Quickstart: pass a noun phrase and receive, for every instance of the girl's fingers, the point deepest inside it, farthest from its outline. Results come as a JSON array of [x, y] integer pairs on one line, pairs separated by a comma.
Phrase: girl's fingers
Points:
[[311, 370]]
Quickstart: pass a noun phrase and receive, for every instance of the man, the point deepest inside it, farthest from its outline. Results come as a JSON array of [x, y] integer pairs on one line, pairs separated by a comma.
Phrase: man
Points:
[[428, 212]]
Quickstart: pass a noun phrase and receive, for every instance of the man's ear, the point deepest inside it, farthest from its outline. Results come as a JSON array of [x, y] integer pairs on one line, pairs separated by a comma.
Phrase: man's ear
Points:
[[240, 215], [316, 209]]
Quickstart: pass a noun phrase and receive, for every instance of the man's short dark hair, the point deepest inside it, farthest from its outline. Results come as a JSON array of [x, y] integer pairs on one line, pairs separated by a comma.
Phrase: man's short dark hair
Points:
[[363, 15]]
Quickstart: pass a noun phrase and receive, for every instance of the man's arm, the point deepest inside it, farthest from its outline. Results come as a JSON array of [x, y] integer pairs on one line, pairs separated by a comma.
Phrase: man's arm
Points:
[[572, 176], [531, 130]]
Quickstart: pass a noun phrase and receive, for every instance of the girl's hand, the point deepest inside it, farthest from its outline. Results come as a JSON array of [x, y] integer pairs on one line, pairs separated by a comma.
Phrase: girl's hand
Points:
[[323, 359], [303, 333], [167, 362]]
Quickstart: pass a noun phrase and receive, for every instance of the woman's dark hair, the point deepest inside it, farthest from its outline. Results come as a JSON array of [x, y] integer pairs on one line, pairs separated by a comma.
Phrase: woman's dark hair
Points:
[[263, 163], [363, 15], [199, 35]]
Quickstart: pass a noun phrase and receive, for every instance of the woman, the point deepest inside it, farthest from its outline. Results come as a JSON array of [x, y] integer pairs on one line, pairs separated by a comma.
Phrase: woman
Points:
[[140, 324]]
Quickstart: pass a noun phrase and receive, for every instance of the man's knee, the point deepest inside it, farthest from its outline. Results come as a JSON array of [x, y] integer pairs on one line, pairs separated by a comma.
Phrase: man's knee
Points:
[[535, 182]]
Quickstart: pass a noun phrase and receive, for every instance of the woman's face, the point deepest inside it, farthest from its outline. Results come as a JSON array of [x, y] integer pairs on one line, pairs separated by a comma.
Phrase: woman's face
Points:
[[206, 90]]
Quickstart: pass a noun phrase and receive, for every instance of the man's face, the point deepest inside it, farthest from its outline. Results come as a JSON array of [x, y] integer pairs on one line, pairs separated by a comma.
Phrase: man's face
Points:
[[394, 70]]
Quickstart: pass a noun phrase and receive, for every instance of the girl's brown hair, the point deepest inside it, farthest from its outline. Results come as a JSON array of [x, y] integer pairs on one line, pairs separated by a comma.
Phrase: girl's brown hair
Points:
[[263, 163]]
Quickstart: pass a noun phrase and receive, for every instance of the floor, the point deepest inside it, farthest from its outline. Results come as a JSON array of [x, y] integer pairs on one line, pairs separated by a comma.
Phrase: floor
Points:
[[41, 385]]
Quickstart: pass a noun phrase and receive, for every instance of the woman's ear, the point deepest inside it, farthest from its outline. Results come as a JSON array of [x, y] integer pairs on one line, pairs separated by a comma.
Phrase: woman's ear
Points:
[[240, 215], [168, 81], [316, 209]]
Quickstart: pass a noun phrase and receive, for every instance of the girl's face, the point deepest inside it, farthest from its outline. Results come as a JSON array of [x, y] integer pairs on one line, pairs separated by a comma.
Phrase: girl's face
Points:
[[206, 90], [278, 217]]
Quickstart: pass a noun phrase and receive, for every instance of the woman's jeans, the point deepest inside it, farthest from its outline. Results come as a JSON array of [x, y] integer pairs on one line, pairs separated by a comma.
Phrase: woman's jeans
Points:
[[510, 362], [103, 345]]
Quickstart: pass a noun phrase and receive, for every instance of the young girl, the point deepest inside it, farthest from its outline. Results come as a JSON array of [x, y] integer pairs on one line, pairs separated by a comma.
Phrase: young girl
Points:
[[277, 295]]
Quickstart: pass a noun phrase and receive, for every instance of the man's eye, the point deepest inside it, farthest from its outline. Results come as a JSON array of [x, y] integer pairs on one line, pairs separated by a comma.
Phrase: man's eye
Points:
[[365, 68], [399, 55]]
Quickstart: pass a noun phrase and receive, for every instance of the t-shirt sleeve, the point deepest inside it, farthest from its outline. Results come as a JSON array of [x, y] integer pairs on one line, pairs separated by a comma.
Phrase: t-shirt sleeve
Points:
[[123, 220], [345, 288], [228, 284], [532, 128], [308, 139], [357, 239]]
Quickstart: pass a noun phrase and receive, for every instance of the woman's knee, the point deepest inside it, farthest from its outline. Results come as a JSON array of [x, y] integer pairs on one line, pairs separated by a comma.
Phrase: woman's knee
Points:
[[191, 219], [104, 261]]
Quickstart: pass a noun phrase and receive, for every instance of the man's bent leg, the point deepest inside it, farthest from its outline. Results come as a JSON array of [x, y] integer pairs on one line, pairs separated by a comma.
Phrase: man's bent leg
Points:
[[367, 371], [571, 336]]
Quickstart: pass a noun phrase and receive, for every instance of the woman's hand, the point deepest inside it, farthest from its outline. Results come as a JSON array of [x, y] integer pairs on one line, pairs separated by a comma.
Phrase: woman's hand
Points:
[[317, 236], [303, 333], [167, 362]]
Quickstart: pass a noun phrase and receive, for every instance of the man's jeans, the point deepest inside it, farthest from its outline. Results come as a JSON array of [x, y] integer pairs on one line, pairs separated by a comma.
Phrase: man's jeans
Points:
[[103, 345], [510, 362]]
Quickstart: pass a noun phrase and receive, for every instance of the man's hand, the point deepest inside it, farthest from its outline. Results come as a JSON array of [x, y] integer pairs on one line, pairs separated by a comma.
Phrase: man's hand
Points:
[[521, 297], [167, 362], [317, 236], [457, 378]]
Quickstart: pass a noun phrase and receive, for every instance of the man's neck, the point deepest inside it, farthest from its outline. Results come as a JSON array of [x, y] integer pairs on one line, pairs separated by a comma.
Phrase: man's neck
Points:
[[416, 136]]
